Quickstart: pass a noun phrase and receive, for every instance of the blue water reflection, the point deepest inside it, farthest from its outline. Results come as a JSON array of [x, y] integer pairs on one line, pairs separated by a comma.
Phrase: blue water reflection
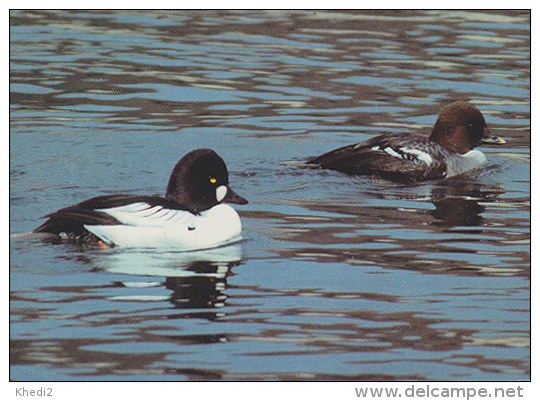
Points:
[[338, 277]]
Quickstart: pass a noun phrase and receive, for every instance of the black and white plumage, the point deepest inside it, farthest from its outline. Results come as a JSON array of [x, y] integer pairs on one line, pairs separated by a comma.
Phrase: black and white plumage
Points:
[[192, 215], [448, 151]]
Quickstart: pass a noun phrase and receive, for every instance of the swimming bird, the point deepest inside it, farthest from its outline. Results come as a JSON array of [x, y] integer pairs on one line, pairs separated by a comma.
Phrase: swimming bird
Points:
[[192, 215], [448, 151]]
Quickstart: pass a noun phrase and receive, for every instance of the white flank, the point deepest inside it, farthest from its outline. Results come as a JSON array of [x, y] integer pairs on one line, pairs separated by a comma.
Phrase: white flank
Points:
[[157, 227]]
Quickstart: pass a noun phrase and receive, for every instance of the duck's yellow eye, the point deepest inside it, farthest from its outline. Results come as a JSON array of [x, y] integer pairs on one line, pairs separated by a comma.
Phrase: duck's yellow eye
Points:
[[213, 180]]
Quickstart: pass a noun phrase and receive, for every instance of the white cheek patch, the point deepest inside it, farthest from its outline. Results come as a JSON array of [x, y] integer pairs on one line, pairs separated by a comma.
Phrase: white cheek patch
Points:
[[221, 191]]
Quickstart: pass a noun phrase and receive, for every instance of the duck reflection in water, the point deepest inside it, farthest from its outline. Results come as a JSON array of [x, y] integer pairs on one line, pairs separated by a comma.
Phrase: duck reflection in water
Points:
[[457, 203], [197, 280], [203, 290]]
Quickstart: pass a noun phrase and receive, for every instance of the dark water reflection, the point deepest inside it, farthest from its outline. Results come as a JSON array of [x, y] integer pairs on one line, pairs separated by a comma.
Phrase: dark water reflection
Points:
[[338, 278]]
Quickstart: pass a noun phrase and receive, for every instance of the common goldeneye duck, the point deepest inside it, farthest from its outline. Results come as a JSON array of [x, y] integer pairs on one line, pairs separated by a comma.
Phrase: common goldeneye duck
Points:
[[447, 152], [192, 215]]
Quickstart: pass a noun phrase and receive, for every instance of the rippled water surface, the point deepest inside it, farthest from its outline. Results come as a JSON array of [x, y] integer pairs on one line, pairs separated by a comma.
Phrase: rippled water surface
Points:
[[338, 277]]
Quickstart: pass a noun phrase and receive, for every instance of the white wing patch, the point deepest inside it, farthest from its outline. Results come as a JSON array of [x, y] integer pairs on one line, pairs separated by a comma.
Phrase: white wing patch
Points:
[[392, 152], [142, 214], [406, 153], [425, 157]]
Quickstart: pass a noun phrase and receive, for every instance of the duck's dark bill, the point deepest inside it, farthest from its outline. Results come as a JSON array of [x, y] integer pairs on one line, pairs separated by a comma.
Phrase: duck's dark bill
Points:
[[233, 197], [491, 138]]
